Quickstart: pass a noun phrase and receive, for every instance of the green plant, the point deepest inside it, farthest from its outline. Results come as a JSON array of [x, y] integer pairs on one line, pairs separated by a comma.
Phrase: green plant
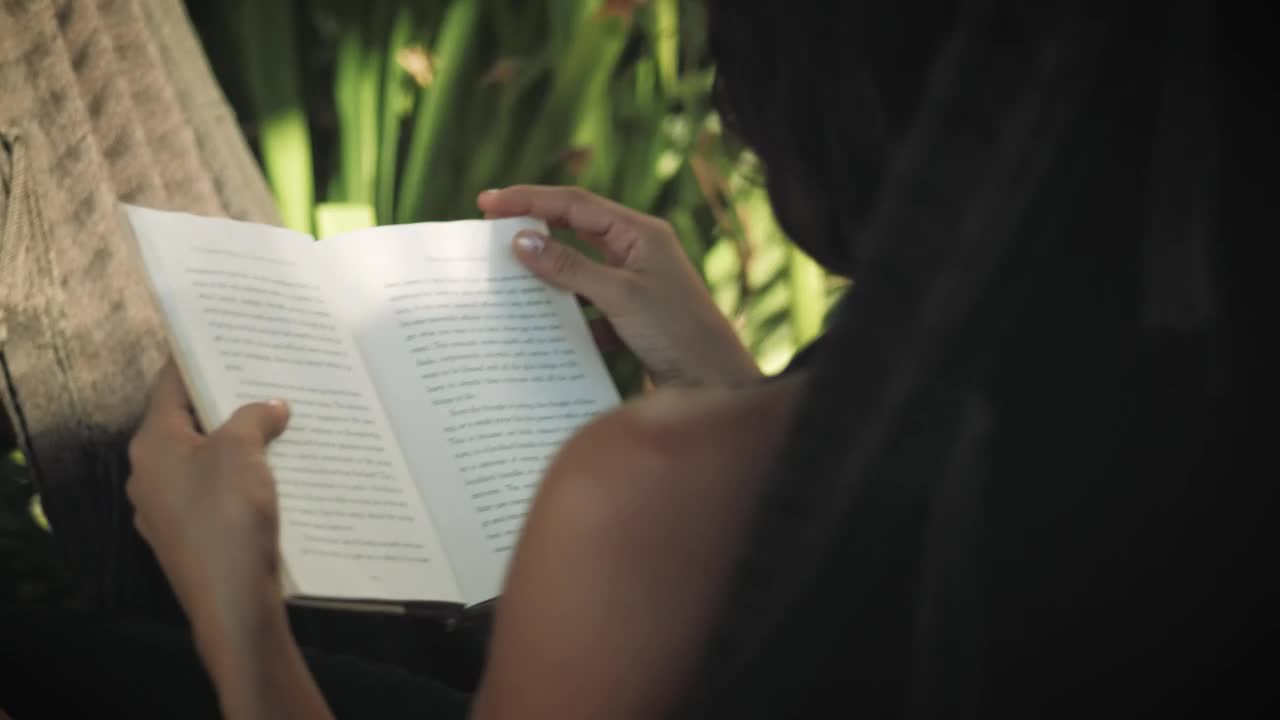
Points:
[[437, 100], [31, 573]]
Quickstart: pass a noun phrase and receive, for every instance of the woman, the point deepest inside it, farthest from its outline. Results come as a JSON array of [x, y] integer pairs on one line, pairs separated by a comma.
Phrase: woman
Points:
[[669, 476], [962, 503]]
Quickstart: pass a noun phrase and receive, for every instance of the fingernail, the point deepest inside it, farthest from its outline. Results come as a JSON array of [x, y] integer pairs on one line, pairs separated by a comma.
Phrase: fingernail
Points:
[[489, 192], [531, 243], [278, 403]]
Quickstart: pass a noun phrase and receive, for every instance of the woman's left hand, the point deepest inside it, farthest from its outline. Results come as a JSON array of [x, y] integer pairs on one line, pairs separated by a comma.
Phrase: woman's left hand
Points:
[[206, 504]]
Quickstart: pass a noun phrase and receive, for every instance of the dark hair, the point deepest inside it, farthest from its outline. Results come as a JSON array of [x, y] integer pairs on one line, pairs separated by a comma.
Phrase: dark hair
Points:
[[1007, 483], [824, 94]]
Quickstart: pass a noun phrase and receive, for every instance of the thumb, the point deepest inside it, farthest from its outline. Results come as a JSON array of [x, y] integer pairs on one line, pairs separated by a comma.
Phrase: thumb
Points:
[[259, 422], [568, 269]]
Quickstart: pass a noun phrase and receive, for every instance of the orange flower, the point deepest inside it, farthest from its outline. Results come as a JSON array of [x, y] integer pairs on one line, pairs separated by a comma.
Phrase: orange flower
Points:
[[620, 8], [577, 159], [501, 73], [418, 63]]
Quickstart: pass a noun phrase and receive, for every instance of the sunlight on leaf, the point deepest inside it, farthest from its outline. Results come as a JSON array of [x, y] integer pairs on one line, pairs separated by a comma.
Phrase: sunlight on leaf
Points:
[[426, 104], [418, 63], [338, 218], [36, 508]]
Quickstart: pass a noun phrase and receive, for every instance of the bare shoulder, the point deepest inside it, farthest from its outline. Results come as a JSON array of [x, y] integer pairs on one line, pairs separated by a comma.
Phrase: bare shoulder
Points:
[[625, 552], [660, 434], [678, 451]]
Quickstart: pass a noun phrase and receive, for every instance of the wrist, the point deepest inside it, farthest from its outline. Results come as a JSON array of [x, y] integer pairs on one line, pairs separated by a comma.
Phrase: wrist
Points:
[[256, 665], [233, 633], [747, 372], [736, 368]]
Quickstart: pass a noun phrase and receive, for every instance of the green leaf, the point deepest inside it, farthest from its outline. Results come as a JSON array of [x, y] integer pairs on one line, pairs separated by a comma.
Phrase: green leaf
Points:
[[776, 349], [358, 100], [771, 302], [423, 182], [666, 43], [36, 509], [580, 79], [722, 269], [808, 296], [264, 31], [336, 218], [549, 92], [394, 81]]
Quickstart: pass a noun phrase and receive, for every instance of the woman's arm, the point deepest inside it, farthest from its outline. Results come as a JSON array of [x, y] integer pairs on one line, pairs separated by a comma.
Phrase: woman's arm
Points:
[[615, 582], [649, 292], [626, 554], [256, 665], [206, 504]]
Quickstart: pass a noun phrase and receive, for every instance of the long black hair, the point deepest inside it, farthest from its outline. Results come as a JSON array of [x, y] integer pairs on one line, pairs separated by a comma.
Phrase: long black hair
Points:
[[1003, 488], [825, 93]]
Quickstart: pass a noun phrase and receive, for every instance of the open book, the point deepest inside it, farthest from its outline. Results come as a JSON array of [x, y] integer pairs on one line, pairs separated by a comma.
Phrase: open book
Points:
[[430, 376]]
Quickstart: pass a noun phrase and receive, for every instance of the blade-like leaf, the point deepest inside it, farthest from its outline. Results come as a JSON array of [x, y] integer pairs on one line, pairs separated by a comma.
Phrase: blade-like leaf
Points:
[[393, 88], [338, 218], [431, 122], [265, 37]]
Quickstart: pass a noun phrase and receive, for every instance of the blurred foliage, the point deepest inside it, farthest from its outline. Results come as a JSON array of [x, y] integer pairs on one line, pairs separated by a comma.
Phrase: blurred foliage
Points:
[[387, 111], [390, 111], [30, 573]]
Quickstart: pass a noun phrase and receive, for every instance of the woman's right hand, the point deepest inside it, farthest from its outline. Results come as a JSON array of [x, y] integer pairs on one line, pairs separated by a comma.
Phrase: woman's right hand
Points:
[[647, 289]]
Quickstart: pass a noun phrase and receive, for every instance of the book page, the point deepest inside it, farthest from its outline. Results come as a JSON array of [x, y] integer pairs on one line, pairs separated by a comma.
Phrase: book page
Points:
[[484, 370], [251, 319]]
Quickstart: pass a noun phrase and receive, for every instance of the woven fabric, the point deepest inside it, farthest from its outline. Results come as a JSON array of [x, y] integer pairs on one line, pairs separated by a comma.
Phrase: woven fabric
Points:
[[102, 101]]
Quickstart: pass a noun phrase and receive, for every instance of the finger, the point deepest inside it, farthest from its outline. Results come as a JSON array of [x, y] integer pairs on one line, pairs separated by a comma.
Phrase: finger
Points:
[[568, 269], [169, 410], [605, 224], [257, 423], [605, 246]]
